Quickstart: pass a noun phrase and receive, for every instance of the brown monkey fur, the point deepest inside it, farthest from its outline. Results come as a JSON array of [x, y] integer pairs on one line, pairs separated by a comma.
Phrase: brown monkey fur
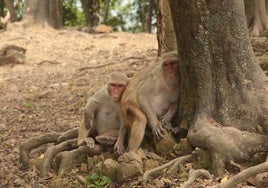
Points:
[[151, 97], [101, 121]]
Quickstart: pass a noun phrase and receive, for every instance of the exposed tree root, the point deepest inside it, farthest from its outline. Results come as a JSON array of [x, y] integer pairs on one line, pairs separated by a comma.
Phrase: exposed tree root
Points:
[[175, 167], [70, 134], [173, 162], [193, 175], [26, 146], [52, 151], [225, 144], [60, 151], [65, 159], [244, 175]]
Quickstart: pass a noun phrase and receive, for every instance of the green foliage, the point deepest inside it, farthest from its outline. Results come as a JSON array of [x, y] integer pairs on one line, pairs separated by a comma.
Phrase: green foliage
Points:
[[96, 180], [122, 15], [29, 104], [20, 5], [22, 118], [72, 13]]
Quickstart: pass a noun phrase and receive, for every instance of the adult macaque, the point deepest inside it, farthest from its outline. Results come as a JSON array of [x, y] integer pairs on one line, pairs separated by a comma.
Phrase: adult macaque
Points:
[[101, 121], [151, 97]]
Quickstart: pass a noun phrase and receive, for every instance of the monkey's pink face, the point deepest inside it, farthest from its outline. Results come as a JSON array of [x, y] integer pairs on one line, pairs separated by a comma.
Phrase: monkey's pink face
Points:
[[170, 67], [116, 90]]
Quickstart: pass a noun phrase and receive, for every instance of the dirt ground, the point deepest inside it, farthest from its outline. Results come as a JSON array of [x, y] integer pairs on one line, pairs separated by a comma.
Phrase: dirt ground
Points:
[[46, 93], [62, 69]]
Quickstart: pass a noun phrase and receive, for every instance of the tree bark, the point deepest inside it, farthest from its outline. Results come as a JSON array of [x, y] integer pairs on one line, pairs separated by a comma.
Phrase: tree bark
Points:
[[257, 19], [165, 31], [106, 10], [86, 8], [224, 91], [44, 13], [148, 16], [2, 9]]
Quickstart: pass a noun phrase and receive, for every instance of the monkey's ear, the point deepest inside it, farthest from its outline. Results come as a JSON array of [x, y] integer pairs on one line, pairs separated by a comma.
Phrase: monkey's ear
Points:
[[130, 74]]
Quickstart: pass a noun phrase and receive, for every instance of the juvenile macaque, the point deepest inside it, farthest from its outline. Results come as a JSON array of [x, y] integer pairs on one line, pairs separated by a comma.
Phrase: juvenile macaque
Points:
[[101, 121], [151, 97]]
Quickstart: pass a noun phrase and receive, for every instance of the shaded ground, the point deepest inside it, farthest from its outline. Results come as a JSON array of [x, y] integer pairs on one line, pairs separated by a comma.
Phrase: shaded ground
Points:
[[48, 91]]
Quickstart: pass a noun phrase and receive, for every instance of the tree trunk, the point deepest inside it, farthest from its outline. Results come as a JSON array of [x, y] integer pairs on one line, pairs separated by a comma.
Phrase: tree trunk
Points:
[[88, 14], [11, 9], [148, 17], [2, 9], [165, 31], [257, 19], [106, 10], [44, 13], [96, 19], [224, 91]]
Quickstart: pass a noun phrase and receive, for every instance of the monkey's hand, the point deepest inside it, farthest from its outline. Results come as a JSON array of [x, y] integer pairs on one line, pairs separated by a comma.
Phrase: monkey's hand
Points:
[[158, 131], [168, 126], [90, 142], [119, 147]]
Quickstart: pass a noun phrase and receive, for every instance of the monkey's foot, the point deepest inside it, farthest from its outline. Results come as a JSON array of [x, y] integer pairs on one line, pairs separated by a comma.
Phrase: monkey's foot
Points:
[[106, 140], [119, 147], [90, 142]]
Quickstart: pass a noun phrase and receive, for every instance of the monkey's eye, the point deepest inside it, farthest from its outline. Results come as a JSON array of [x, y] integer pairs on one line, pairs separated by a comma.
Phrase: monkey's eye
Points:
[[168, 63], [173, 62], [116, 85]]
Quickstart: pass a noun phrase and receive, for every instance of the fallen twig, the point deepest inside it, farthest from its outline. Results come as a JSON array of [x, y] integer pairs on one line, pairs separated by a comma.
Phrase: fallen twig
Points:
[[47, 61], [113, 63], [98, 66]]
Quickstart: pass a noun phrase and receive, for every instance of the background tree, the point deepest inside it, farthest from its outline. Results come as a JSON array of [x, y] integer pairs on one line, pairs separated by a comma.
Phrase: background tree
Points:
[[131, 16], [2, 6], [11, 9], [43, 13], [146, 9], [106, 11], [165, 30], [224, 97], [91, 10], [72, 15]]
